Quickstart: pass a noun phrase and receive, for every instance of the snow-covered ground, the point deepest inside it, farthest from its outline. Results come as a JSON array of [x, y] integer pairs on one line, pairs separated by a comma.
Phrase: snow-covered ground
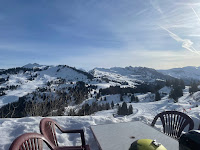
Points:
[[145, 112], [25, 85]]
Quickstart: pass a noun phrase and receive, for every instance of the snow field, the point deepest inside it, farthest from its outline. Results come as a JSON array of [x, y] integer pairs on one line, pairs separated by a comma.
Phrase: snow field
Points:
[[145, 112]]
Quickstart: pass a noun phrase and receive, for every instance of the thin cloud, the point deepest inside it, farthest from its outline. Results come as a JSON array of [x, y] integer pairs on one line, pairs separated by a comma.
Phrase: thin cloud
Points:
[[141, 12], [186, 43], [188, 3], [194, 35], [156, 6], [195, 13]]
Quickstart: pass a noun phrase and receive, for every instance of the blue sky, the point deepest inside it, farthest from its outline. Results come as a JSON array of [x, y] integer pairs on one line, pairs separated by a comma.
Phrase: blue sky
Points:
[[107, 33]]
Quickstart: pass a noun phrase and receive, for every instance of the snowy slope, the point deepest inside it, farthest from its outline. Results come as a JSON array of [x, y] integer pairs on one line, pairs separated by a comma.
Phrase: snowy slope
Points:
[[145, 112], [25, 87], [129, 76], [184, 73], [30, 80]]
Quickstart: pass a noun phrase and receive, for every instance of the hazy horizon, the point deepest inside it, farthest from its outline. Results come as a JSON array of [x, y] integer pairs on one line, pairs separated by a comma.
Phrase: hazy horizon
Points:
[[88, 69]]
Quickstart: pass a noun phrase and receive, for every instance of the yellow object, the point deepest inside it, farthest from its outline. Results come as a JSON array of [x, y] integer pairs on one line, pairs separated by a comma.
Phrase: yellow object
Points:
[[146, 144]]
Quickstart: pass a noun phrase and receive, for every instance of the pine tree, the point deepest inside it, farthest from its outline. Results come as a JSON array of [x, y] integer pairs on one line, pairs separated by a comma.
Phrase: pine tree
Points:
[[112, 105], [136, 99], [124, 110], [132, 98], [121, 97], [119, 110], [176, 92], [71, 112], [107, 106], [157, 97], [182, 84], [86, 109], [193, 88], [130, 109], [94, 107], [104, 98], [98, 95]]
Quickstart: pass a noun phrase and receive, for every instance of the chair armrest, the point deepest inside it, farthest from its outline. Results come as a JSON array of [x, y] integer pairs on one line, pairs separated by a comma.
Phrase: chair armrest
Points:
[[75, 131], [72, 131], [154, 120]]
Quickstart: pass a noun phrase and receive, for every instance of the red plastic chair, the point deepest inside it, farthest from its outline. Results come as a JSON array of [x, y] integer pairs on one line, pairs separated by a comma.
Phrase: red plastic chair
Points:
[[30, 141], [47, 128], [174, 122]]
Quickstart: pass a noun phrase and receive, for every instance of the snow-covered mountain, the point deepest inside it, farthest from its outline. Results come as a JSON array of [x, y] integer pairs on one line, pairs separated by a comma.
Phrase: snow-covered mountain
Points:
[[41, 90], [129, 75], [186, 73], [34, 65], [17, 82], [74, 88], [143, 74]]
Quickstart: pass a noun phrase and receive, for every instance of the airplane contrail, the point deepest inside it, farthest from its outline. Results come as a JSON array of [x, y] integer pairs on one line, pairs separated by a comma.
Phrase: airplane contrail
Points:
[[195, 13], [186, 43]]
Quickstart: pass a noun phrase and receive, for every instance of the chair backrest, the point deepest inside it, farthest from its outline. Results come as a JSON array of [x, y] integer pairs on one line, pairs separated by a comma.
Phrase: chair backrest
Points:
[[47, 128], [174, 122], [30, 141]]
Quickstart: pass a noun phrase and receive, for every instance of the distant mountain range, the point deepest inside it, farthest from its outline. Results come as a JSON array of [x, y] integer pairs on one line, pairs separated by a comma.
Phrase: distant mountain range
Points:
[[62, 85], [34, 65], [129, 74], [183, 73], [149, 74]]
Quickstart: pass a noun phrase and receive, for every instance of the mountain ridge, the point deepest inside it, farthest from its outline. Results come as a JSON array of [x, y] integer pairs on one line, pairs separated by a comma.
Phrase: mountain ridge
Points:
[[68, 86]]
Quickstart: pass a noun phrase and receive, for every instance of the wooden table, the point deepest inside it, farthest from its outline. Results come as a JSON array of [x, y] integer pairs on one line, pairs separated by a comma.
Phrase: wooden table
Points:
[[118, 136]]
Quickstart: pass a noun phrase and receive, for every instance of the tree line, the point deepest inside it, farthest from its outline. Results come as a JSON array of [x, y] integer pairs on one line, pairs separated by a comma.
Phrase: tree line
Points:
[[124, 110], [45, 103]]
